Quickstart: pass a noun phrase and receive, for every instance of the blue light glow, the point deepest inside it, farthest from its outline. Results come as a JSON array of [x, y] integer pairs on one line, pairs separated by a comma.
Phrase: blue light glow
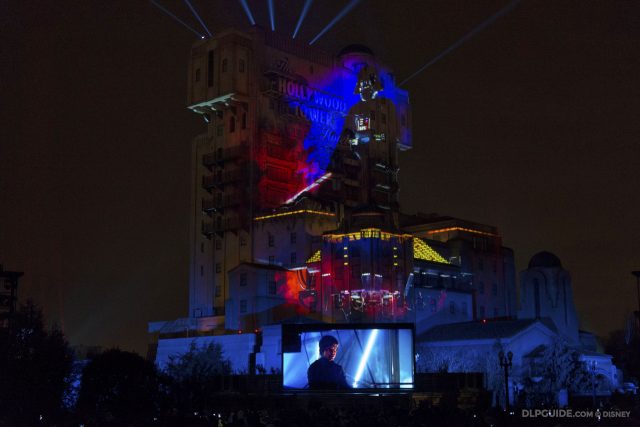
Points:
[[365, 357]]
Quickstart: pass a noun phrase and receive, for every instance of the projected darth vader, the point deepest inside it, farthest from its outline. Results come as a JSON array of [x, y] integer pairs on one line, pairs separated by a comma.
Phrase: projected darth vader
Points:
[[324, 373]]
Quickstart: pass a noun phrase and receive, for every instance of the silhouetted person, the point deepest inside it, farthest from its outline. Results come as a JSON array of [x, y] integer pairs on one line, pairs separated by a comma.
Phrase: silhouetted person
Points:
[[324, 373]]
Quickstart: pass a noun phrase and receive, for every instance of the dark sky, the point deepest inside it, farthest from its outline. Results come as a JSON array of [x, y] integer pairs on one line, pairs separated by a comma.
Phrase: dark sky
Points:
[[531, 126]]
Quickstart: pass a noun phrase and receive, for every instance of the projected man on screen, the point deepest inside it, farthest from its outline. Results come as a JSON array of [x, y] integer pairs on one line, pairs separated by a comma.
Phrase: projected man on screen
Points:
[[324, 373]]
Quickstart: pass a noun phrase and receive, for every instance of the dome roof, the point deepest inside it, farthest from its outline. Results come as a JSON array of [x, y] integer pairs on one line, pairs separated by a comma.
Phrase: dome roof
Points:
[[545, 259], [355, 48]]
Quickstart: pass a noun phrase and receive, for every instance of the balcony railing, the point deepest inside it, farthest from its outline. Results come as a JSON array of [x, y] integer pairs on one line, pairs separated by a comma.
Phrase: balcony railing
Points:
[[223, 155], [216, 181], [216, 227]]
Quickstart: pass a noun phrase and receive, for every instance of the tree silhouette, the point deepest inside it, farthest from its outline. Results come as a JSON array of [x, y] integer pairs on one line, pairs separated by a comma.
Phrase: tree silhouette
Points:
[[35, 367], [119, 388], [196, 376]]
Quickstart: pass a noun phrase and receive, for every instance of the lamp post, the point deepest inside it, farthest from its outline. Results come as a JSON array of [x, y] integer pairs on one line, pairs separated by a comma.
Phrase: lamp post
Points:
[[506, 363], [637, 274], [592, 368]]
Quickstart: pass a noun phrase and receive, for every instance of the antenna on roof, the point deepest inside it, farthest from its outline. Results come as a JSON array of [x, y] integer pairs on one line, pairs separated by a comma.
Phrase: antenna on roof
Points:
[[305, 9], [334, 21], [466, 37], [195, 13], [175, 18]]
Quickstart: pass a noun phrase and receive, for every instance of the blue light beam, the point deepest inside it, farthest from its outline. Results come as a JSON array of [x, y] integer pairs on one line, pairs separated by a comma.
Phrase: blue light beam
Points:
[[176, 18], [195, 13], [470, 34], [271, 15], [365, 357], [245, 6], [303, 14], [334, 21]]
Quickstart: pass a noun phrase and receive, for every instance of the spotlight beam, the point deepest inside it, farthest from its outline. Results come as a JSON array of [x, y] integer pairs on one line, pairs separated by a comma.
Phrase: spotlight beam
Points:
[[271, 15], [245, 6], [195, 13], [334, 21], [159, 6], [303, 14], [466, 37]]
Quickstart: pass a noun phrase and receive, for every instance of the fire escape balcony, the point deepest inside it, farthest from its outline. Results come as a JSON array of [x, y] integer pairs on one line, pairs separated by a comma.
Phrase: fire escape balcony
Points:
[[220, 202], [222, 155], [385, 187], [208, 205], [210, 182], [351, 162], [220, 226]]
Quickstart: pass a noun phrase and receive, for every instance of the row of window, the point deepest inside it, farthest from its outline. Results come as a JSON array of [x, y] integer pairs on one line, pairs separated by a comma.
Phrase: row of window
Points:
[[271, 239], [494, 288], [481, 265], [482, 312], [242, 240], [433, 306]]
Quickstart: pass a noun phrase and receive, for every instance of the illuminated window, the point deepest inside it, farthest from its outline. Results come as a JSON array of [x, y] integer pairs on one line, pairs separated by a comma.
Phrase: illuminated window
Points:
[[218, 267], [271, 240], [243, 306], [294, 258], [241, 65], [243, 279], [494, 289], [224, 65]]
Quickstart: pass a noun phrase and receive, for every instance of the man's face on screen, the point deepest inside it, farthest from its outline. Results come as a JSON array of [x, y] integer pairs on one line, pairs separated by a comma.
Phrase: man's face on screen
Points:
[[329, 353]]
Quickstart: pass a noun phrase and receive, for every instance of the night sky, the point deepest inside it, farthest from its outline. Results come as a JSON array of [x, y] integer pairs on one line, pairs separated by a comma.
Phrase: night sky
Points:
[[532, 126]]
